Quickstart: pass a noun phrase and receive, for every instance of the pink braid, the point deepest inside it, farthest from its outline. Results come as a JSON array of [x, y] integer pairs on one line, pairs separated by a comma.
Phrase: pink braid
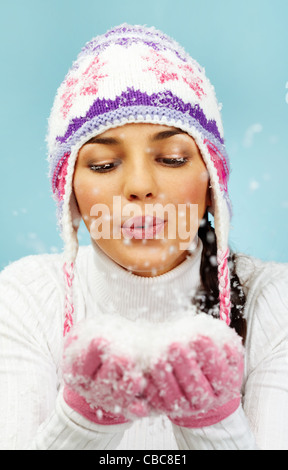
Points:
[[224, 285], [69, 307]]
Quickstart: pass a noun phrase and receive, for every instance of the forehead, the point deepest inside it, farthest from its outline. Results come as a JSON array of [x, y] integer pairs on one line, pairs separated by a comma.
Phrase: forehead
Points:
[[138, 131]]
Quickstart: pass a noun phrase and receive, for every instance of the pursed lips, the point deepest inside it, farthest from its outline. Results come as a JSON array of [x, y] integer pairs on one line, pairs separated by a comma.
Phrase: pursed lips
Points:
[[145, 227], [142, 222]]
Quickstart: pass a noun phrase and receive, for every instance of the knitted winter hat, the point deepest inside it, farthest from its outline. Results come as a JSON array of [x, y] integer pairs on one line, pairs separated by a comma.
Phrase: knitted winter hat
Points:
[[136, 74]]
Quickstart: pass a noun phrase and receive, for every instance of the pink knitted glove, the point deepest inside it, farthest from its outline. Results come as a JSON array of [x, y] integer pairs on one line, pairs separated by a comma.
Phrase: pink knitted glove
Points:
[[190, 369], [99, 385], [197, 384]]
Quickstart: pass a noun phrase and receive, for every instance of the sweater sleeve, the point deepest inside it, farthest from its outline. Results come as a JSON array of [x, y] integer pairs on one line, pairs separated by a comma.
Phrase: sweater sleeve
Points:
[[266, 387], [261, 422], [65, 429], [33, 413], [233, 433]]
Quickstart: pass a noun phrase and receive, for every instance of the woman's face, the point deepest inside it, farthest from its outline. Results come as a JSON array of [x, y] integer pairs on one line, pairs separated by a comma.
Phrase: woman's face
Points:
[[142, 190]]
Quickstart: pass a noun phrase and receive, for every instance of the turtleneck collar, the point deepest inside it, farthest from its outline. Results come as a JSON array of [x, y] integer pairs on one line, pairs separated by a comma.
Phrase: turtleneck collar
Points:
[[115, 290]]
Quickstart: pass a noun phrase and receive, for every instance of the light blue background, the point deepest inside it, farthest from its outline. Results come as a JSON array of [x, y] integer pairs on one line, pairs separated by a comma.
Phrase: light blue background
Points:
[[242, 44]]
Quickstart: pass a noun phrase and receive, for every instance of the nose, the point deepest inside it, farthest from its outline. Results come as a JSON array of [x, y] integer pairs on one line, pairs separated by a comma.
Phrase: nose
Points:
[[140, 183]]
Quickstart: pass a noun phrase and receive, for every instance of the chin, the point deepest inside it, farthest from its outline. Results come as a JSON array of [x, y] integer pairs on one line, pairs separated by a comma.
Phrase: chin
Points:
[[153, 267]]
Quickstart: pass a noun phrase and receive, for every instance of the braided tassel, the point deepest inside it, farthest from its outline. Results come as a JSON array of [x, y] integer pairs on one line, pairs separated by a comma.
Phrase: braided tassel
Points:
[[224, 285], [69, 307]]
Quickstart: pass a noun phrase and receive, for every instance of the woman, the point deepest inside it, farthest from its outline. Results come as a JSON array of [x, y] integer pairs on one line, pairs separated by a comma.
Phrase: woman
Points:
[[169, 340]]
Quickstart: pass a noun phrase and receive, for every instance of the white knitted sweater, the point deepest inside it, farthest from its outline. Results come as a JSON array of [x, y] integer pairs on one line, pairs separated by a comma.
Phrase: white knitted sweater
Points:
[[33, 413]]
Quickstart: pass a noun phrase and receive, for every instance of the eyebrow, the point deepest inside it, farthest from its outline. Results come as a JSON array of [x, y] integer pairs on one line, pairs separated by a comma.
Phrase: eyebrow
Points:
[[159, 136], [103, 141], [166, 134]]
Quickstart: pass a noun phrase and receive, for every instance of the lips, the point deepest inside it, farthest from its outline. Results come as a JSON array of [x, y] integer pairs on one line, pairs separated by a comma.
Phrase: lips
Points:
[[143, 227]]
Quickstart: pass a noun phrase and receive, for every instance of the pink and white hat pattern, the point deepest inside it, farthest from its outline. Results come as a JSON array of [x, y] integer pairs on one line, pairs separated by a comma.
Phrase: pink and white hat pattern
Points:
[[136, 74]]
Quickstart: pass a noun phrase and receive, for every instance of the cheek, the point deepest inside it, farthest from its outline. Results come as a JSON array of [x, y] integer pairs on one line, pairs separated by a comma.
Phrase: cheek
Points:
[[193, 190], [94, 198], [86, 192]]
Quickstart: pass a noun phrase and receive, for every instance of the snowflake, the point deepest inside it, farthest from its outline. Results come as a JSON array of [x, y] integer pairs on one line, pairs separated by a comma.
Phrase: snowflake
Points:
[[163, 69], [89, 85], [68, 96], [166, 70], [91, 77], [192, 80]]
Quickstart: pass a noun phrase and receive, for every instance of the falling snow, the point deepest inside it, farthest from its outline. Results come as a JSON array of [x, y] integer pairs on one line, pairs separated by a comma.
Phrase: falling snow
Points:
[[254, 185], [250, 134]]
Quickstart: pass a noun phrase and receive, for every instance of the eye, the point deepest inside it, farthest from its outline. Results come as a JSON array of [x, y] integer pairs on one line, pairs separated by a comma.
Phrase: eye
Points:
[[104, 167], [173, 162]]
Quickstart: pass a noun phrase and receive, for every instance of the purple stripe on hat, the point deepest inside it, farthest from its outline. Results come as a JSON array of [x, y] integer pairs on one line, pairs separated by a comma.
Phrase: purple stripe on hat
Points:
[[95, 46], [138, 29], [165, 100], [151, 114]]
